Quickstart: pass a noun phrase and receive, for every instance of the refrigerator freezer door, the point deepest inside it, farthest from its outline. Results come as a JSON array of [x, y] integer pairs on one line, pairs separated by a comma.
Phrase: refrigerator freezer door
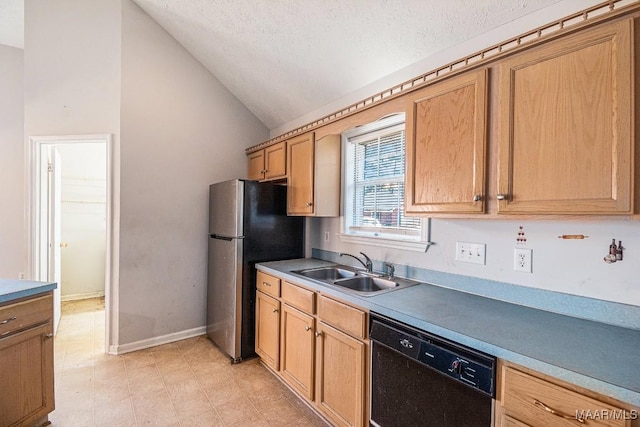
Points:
[[224, 294], [225, 208]]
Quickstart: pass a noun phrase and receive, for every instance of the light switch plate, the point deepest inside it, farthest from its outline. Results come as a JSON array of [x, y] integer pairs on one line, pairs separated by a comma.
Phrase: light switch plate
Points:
[[474, 253]]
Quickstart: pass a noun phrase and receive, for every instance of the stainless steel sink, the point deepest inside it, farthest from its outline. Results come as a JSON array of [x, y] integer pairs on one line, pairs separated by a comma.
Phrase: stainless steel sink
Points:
[[355, 281], [366, 283], [326, 273]]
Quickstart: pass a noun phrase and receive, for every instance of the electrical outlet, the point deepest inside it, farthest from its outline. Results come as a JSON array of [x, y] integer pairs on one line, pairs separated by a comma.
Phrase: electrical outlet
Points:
[[326, 236], [471, 252], [522, 259], [21, 275]]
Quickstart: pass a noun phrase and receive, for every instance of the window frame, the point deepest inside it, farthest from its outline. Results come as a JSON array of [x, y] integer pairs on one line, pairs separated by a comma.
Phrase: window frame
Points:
[[373, 236]]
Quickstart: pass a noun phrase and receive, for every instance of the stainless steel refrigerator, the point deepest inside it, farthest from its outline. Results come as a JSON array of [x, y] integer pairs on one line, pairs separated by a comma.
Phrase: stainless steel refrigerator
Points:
[[248, 223]]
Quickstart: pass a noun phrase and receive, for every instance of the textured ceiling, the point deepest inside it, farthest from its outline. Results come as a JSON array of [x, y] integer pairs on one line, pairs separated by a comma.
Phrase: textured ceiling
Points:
[[286, 58], [12, 23]]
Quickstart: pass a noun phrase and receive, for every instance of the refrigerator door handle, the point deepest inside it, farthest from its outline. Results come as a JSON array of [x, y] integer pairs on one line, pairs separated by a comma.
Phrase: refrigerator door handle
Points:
[[223, 237]]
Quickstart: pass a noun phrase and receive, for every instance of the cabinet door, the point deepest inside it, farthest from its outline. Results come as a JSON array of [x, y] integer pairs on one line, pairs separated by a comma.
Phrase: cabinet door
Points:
[[300, 191], [268, 329], [446, 146], [26, 375], [565, 134], [256, 165], [297, 348], [341, 366], [275, 161]]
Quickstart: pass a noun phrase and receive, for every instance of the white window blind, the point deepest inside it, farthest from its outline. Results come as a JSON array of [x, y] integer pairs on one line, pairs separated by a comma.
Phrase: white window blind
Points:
[[374, 175]]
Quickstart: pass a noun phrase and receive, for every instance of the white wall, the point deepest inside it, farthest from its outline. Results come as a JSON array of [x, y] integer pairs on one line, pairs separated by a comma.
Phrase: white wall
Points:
[[573, 267], [13, 255], [83, 218], [181, 131]]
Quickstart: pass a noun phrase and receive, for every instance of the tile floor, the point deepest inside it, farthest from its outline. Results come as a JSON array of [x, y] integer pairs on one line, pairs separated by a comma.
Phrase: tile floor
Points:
[[186, 383]]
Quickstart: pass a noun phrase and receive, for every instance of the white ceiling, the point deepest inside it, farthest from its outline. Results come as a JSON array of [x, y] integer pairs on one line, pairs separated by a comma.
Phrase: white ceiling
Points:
[[285, 58]]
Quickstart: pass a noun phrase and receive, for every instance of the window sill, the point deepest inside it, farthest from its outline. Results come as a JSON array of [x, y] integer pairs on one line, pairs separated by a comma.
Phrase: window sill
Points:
[[407, 245]]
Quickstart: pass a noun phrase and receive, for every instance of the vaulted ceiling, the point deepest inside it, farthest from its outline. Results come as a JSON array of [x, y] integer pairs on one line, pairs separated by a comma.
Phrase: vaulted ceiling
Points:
[[285, 58]]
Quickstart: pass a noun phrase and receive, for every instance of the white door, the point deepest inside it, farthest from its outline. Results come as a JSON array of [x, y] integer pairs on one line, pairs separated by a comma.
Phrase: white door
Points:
[[50, 225]]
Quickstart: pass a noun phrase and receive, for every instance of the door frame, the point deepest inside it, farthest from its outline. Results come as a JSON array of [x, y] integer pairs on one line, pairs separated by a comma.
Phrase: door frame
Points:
[[34, 148]]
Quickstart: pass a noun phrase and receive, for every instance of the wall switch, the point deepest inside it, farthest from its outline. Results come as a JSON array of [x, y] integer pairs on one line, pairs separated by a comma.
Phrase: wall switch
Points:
[[326, 236], [471, 252], [522, 260]]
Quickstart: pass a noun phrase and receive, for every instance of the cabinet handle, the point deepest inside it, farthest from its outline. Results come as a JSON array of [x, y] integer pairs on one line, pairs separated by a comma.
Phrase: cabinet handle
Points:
[[552, 411], [309, 204], [501, 197], [48, 336], [266, 284], [317, 334], [307, 328], [11, 319], [477, 198], [263, 171], [275, 310]]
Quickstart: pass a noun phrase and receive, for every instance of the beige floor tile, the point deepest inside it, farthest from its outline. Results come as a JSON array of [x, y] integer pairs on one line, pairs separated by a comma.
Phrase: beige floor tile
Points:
[[224, 393], [114, 413], [71, 418], [153, 408], [282, 413], [110, 392], [236, 410], [173, 376], [255, 420], [208, 418]]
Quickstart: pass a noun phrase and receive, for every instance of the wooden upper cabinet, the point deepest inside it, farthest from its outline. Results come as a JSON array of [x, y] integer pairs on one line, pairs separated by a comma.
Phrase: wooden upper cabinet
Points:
[[446, 137], [275, 161], [256, 165], [565, 125], [267, 164], [300, 181]]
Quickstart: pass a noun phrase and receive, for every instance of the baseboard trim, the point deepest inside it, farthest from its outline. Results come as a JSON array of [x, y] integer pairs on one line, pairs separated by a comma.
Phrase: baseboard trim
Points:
[[156, 341], [75, 297]]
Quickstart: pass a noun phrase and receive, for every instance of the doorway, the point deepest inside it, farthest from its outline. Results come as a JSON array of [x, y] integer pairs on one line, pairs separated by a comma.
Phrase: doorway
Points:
[[71, 218]]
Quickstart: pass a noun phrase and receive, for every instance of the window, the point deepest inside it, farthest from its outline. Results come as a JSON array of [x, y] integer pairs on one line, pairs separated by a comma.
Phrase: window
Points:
[[373, 181]]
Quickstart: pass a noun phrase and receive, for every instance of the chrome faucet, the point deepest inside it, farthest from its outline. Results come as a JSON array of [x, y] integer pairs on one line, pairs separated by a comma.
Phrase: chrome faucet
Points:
[[368, 264]]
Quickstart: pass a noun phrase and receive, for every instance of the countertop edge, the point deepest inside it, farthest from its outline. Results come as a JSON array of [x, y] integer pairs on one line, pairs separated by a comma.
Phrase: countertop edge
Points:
[[599, 386], [29, 289]]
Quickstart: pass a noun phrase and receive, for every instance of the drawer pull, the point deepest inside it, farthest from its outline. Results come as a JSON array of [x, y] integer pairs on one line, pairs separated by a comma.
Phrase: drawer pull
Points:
[[307, 328], [11, 319], [266, 284], [48, 336], [556, 413], [275, 310]]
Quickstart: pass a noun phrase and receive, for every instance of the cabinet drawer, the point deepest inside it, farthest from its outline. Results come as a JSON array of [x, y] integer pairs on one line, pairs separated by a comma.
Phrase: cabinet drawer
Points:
[[268, 284], [298, 297], [343, 317], [537, 402], [23, 314]]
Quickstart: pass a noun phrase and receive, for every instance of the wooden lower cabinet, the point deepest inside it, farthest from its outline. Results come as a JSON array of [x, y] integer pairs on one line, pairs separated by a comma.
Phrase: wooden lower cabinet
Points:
[[268, 329], [26, 363], [530, 399], [297, 347], [323, 355], [340, 379]]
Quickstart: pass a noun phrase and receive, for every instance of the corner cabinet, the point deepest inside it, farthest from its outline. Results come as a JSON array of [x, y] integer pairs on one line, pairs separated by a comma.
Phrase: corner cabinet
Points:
[[566, 125], [269, 163], [446, 138], [313, 180], [26, 361]]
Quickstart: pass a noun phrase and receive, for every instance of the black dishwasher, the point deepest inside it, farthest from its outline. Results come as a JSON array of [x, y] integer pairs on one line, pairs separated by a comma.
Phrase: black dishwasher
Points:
[[422, 380]]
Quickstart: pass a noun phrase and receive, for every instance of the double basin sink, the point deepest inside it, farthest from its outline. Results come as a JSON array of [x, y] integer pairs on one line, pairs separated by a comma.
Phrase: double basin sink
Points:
[[359, 282]]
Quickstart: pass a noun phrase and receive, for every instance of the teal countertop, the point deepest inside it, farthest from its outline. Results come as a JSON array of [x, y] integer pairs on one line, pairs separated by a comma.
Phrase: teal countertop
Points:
[[14, 289], [591, 354]]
